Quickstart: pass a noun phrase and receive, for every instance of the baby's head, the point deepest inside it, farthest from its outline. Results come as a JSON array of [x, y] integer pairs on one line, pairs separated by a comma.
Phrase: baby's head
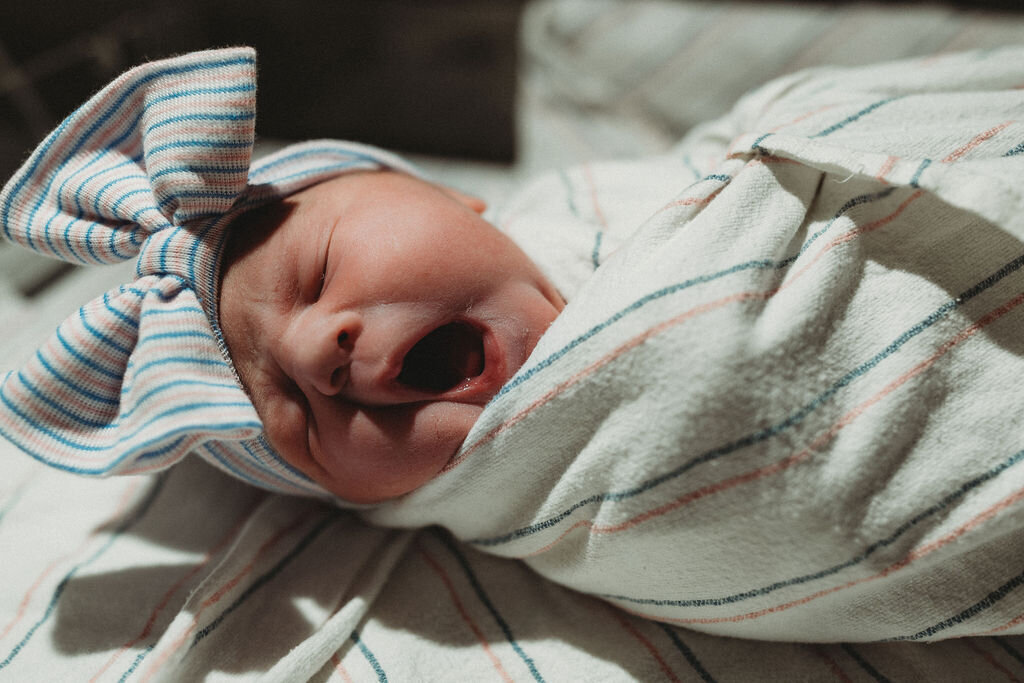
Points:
[[322, 321], [370, 317]]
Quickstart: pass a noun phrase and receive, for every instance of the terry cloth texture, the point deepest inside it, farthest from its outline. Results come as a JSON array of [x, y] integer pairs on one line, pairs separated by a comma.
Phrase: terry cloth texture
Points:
[[154, 166], [784, 400]]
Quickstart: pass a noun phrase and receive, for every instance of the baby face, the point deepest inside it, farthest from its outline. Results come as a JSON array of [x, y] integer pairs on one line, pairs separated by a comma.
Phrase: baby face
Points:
[[370, 318]]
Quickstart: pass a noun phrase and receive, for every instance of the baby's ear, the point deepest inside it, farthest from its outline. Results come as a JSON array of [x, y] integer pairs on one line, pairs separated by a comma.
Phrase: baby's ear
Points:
[[475, 203]]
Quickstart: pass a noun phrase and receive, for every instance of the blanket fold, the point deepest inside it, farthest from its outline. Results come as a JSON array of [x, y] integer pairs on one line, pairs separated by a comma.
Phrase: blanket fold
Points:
[[789, 401]]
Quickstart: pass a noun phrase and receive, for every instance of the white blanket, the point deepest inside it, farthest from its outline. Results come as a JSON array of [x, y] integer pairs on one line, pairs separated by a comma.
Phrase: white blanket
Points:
[[789, 405]]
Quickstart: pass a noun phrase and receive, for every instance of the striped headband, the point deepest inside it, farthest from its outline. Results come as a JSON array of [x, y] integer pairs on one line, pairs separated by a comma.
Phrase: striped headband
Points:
[[156, 165]]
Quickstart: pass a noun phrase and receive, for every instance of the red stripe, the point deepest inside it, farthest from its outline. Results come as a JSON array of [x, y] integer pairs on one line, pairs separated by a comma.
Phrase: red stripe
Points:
[[798, 457], [912, 556], [645, 642], [663, 326], [959, 152], [987, 656], [832, 664], [340, 668], [219, 594], [886, 167], [126, 497], [165, 600], [446, 580], [592, 186]]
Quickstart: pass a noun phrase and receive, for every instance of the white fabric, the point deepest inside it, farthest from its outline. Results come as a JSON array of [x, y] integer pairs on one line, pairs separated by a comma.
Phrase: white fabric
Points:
[[791, 399], [114, 580]]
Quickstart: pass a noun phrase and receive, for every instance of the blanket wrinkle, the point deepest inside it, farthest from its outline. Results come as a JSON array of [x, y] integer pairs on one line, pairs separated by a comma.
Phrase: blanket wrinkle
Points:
[[816, 335]]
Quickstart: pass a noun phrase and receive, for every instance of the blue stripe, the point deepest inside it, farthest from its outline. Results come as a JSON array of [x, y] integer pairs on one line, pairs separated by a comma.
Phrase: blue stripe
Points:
[[131, 193], [381, 677], [103, 399], [97, 124], [756, 145], [80, 390], [247, 87], [245, 476], [227, 465], [595, 254], [341, 165], [163, 450], [88, 243], [172, 311], [977, 608], [850, 119], [13, 499], [85, 360], [60, 198], [688, 163], [183, 360], [863, 663], [200, 116], [204, 142], [331, 517], [920, 169], [197, 194], [352, 157], [569, 193], [687, 653], [107, 186], [60, 409], [481, 594], [525, 375], [178, 334], [101, 336], [143, 293], [1015, 151], [1010, 650], [759, 436], [107, 467], [940, 506], [135, 664], [114, 446], [120, 315], [278, 459], [121, 528], [201, 170]]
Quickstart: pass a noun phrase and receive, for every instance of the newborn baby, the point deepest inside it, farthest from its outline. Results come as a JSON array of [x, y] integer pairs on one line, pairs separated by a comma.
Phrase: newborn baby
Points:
[[323, 321], [370, 318]]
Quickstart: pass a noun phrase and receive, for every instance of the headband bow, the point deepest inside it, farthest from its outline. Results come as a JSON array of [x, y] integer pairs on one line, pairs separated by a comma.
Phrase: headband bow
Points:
[[155, 166]]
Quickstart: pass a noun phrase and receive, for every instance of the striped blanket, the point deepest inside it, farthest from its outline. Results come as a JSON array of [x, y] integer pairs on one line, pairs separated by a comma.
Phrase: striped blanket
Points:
[[785, 400]]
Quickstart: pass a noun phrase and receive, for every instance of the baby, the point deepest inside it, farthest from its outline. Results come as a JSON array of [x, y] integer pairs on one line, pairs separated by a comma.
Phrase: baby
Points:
[[324, 322], [371, 317]]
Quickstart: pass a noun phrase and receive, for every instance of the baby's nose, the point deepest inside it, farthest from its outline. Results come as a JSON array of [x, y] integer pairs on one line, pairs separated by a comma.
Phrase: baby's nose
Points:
[[326, 351]]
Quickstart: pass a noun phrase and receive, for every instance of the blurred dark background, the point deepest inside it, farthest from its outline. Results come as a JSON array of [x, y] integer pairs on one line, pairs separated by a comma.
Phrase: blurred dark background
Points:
[[433, 77]]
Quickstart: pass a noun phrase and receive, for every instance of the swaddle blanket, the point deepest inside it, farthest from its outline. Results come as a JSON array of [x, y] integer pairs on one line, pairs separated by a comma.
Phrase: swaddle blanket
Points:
[[787, 402]]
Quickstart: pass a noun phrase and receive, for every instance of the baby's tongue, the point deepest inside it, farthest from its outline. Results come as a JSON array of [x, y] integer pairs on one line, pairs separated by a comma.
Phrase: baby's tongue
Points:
[[444, 358]]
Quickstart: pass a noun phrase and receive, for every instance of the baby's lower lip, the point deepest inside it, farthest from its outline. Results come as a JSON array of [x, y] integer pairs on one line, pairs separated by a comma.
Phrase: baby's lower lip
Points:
[[475, 372]]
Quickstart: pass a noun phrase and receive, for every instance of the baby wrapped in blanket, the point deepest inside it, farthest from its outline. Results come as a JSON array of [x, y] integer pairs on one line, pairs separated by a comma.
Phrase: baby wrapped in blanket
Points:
[[783, 400]]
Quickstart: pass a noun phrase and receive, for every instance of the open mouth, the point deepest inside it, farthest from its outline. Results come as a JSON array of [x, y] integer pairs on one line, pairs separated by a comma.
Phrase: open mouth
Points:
[[444, 358]]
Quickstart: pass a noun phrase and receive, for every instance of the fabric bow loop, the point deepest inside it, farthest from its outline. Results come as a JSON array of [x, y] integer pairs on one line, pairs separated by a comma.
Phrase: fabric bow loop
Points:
[[149, 165]]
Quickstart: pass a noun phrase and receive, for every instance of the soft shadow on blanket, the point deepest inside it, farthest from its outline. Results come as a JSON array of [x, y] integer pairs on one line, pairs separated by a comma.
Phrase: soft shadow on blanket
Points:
[[195, 511]]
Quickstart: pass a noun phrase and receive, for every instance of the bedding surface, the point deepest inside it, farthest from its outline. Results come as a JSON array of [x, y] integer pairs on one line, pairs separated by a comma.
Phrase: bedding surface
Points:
[[784, 399]]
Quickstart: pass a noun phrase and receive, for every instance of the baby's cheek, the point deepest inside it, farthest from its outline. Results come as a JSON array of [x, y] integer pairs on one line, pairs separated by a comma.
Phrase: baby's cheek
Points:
[[287, 429]]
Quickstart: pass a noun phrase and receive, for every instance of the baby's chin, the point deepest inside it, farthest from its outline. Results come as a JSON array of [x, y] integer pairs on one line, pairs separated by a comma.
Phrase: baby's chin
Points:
[[400, 453]]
